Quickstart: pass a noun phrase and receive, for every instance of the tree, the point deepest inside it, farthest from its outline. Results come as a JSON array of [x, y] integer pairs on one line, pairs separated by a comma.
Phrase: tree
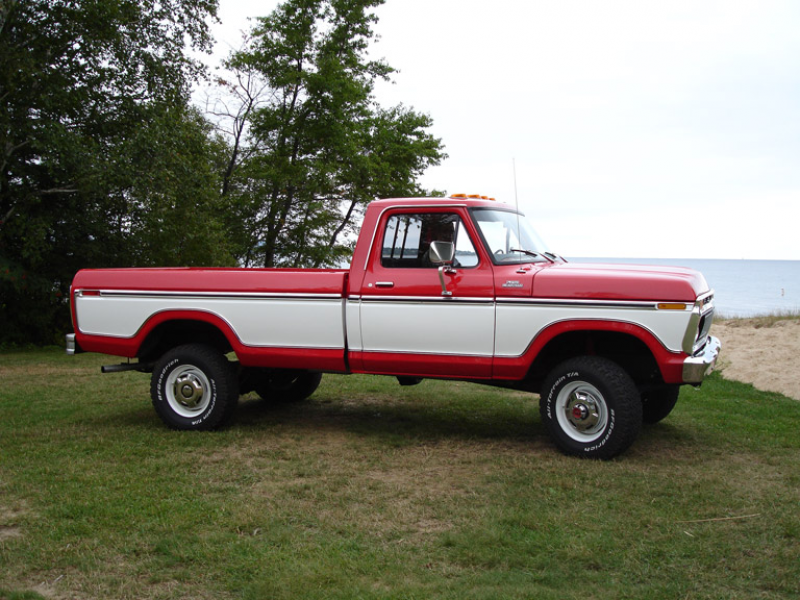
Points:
[[173, 202], [318, 146], [88, 92]]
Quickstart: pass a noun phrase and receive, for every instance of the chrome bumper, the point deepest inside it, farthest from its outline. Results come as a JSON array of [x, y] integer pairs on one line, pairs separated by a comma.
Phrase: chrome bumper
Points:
[[72, 345], [695, 368]]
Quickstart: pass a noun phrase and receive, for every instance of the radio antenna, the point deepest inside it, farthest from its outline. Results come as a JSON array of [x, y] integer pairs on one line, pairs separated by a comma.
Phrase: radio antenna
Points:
[[516, 199]]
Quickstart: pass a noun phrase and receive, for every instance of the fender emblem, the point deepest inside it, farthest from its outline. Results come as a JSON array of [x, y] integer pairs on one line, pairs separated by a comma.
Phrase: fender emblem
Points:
[[512, 284]]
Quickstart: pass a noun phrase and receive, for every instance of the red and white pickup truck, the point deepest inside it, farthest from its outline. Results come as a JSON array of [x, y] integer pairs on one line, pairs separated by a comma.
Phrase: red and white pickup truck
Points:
[[447, 288]]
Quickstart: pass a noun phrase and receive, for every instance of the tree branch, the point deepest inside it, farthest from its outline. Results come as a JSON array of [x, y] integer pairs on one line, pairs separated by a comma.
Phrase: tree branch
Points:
[[52, 191]]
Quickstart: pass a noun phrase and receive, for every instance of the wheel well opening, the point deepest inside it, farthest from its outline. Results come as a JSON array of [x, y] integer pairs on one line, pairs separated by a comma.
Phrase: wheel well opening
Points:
[[628, 351], [176, 333]]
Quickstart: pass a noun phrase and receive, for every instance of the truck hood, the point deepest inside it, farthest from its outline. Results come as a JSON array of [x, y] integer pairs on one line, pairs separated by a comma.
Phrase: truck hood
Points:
[[618, 282]]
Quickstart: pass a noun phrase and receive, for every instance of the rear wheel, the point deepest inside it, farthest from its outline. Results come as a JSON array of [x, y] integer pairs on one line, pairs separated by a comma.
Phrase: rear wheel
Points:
[[286, 385], [590, 407], [658, 402], [194, 387]]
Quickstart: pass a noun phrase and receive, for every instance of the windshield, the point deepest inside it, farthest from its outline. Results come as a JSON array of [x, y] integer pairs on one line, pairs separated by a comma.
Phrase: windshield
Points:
[[509, 237]]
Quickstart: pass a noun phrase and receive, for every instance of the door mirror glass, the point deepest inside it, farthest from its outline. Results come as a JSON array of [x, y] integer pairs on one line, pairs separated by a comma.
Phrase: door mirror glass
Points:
[[441, 253]]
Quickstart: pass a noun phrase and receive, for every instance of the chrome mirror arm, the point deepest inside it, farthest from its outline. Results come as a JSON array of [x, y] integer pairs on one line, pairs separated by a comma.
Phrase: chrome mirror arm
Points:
[[449, 271]]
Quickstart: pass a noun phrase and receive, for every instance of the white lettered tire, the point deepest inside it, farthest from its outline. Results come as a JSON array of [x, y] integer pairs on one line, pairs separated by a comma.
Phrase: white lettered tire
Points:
[[590, 407], [194, 387]]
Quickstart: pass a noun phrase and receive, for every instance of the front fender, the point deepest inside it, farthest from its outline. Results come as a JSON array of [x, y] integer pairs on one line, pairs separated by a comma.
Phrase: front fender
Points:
[[670, 363]]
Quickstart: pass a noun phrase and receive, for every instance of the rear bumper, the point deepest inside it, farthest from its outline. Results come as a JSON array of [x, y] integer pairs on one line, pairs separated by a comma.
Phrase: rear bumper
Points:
[[695, 368], [72, 344]]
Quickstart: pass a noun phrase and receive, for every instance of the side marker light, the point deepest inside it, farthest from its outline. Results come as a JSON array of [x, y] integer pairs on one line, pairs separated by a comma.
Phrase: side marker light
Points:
[[671, 306]]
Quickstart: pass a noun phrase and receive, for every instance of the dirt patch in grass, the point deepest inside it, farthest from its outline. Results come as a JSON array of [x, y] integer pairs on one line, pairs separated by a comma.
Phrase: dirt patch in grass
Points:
[[9, 533], [9, 523]]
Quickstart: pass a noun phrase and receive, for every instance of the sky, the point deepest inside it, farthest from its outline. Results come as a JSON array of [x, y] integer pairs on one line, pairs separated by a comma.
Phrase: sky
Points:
[[622, 128]]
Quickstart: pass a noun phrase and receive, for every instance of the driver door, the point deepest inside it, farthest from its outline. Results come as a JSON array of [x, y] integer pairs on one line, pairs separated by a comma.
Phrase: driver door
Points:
[[418, 318]]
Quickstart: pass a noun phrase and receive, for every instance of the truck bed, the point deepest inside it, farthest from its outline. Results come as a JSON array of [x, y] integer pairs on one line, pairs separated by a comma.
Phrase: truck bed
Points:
[[263, 312]]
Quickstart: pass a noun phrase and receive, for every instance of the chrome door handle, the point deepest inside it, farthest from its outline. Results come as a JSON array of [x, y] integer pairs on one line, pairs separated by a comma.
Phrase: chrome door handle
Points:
[[384, 284]]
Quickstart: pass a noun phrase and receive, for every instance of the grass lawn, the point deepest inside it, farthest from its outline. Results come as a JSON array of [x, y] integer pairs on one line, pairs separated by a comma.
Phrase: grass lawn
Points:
[[371, 490]]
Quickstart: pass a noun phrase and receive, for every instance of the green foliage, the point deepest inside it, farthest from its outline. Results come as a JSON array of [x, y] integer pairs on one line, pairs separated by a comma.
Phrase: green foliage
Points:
[[94, 104], [174, 202], [318, 147]]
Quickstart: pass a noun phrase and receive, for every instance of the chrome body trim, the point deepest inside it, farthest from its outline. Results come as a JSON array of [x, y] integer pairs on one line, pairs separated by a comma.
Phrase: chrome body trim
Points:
[[184, 295], [424, 299], [556, 302]]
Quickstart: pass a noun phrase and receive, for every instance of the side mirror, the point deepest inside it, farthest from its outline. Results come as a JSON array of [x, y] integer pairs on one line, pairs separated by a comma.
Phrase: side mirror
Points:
[[442, 253]]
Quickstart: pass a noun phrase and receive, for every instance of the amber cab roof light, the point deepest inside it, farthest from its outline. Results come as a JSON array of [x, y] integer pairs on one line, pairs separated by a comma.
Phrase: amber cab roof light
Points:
[[472, 196]]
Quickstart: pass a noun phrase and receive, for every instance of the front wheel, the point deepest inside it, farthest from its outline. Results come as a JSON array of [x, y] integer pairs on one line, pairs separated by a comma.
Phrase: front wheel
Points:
[[591, 407], [658, 402], [194, 387]]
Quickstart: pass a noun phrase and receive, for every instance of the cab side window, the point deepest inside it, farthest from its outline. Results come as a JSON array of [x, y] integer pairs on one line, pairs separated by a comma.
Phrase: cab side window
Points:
[[408, 237]]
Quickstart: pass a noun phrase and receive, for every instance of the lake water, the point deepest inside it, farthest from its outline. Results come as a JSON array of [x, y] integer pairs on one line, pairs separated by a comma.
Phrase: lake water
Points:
[[742, 288]]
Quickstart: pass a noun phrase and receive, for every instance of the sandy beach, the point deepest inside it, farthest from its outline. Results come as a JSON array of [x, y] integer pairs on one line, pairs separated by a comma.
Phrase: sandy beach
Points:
[[762, 353]]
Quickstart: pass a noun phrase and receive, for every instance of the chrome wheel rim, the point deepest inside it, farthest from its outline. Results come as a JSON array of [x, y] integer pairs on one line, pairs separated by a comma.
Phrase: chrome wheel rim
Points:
[[582, 411], [188, 391]]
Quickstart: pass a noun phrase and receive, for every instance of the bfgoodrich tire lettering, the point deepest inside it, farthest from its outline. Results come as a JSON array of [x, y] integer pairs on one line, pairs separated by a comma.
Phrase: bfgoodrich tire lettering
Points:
[[590, 407], [194, 387]]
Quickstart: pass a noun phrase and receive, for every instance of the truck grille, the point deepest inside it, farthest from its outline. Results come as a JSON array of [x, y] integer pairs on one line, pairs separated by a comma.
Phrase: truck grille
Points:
[[704, 327], [699, 325]]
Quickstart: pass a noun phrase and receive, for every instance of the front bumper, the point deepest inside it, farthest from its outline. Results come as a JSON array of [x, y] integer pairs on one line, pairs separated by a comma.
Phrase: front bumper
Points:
[[695, 368]]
